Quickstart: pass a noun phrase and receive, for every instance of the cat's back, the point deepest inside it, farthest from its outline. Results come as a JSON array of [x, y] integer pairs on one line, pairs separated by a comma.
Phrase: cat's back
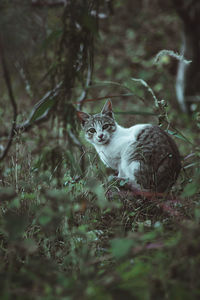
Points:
[[158, 155], [156, 139]]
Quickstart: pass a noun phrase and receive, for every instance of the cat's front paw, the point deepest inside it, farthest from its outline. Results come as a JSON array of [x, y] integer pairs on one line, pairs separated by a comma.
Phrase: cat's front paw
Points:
[[113, 178], [121, 182]]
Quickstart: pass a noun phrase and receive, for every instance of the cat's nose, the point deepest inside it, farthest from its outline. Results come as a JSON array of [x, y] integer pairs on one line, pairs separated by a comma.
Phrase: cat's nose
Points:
[[100, 135]]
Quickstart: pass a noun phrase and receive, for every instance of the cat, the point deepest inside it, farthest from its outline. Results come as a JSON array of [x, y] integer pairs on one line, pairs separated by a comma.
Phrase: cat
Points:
[[144, 154]]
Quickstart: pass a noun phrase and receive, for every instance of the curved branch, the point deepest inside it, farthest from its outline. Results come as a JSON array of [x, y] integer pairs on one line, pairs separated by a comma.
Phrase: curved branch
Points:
[[83, 95], [29, 123], [11, 97]]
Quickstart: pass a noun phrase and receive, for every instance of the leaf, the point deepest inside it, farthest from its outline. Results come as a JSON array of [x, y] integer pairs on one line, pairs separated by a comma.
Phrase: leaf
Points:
[[121, 247], [15, 224], [54, 35], [190, 189], [177, 135], [29, 246], [45, 219], [46, 216], [7, 194], [41, 108], [191, 165], [133, 112]]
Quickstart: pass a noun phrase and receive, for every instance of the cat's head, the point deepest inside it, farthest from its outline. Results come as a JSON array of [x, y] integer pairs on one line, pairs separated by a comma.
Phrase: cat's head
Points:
[[98, 128]]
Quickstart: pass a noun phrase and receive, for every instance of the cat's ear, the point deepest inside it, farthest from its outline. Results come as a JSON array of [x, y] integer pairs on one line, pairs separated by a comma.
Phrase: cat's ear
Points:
[[107, 109], [83, 117]]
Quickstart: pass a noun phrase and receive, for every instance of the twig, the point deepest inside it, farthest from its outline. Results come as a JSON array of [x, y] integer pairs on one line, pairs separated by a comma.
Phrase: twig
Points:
[[172, 54], [38, 3], [57, 3], [83, 96], [105, 97], [77, 143], [74, 139], [144, 83], [24, 78], [28, 123], [160, 105], [11, 97]]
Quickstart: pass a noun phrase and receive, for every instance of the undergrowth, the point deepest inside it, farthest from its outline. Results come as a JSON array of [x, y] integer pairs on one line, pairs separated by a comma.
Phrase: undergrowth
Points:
[[72, 234], [67, 229]]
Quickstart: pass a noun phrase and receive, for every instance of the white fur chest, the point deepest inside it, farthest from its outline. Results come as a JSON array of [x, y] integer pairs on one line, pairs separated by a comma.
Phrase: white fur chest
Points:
[[112, 154]]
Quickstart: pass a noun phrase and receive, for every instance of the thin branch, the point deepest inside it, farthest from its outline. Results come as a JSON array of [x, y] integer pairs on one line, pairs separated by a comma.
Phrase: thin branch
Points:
[[11, 97], [77, 143], [145, 84], [171, 53], [105, 97], [74, 139], [160, 105], [24, 78], [52, 4], [83, 96], [29, 123], [39, 3]]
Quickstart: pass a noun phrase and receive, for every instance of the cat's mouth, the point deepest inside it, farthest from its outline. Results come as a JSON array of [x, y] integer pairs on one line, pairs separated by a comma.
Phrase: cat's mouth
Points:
[[102, 141]]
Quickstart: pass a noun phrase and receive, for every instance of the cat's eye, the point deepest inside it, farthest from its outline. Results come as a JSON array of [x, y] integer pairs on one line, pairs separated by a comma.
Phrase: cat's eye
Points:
[[105, 126], [92, 130]]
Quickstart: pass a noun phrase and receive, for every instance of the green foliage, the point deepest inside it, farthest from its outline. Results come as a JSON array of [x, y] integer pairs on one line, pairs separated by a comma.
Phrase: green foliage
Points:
[[41, 109], [121, 247], [70, 241], [68, 230]]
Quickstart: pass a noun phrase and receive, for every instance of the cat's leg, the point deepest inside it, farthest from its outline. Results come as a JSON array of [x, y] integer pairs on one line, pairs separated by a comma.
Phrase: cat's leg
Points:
[[126, 172], [133, 172], [121, 173], [129, 171]]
